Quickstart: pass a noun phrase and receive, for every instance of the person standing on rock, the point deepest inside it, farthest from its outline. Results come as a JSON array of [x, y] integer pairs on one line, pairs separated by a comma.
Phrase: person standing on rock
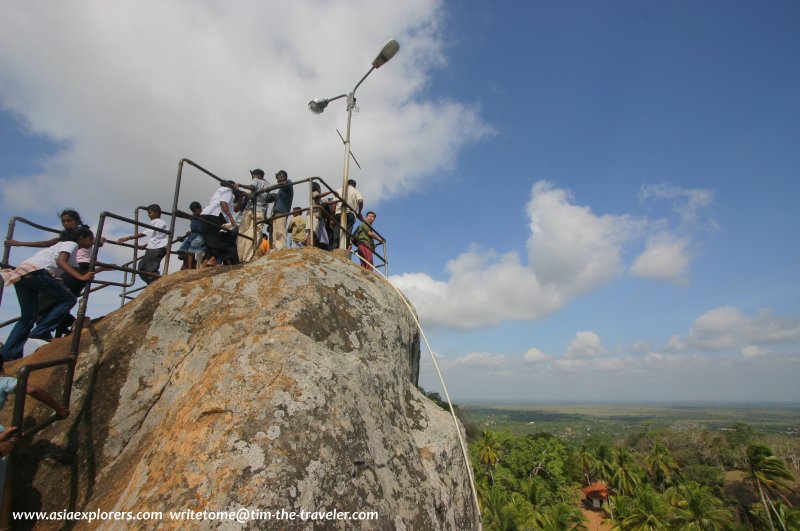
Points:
[[249, 226], [282, 208], [364, 239], [355, 203], [220, 239], [297, 228], [156, 246]]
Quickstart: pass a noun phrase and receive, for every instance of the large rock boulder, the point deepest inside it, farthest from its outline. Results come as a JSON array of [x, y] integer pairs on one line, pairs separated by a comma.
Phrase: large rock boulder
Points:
[[287, 384]]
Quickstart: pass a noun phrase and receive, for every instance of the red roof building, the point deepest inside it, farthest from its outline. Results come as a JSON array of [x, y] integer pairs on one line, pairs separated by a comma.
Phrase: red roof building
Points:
[[596, 494]]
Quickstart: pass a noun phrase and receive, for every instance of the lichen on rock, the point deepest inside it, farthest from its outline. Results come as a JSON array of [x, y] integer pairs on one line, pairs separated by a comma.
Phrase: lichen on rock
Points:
[[286, 383]]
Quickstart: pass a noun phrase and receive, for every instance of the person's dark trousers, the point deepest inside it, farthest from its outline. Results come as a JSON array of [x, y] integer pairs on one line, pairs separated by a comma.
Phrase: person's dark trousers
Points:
[[151, 263], [351, 221], [221, 244], [76, 287], [28, 289]]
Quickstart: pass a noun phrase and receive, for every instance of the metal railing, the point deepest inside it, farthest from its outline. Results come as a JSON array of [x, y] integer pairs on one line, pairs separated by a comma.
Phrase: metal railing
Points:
[[316, 211], [101, 284]]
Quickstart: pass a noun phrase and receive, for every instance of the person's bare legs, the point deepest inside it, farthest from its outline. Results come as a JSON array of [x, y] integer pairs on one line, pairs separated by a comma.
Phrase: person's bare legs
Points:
[[44, 397]]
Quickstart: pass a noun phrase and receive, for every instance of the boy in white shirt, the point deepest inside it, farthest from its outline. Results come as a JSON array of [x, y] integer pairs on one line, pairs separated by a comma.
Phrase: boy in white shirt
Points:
[[156, 247]]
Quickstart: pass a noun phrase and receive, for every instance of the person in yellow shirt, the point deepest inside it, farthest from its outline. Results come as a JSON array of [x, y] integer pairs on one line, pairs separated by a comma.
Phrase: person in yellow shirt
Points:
[[298, 229]]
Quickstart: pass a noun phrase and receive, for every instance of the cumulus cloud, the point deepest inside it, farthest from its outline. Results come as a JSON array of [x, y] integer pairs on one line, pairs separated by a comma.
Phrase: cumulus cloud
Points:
[[585, 345], [665, 257], [671, 244], [534, 355], [571, 251], [571, 247], [127, 88], [727, 328]]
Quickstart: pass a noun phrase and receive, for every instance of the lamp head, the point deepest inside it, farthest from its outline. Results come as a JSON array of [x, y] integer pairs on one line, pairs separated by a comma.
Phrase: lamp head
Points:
[[317, 105], [387, 53]]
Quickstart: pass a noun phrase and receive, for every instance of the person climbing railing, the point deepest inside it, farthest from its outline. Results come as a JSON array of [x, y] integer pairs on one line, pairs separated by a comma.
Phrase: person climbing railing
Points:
[[5, 263]]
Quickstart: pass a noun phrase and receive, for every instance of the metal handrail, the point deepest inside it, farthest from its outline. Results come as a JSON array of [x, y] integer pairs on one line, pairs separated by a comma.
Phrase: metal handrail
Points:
[[12, 223], [93, 263], [7, 255], [337, 221], [71, 360], [21, 393]]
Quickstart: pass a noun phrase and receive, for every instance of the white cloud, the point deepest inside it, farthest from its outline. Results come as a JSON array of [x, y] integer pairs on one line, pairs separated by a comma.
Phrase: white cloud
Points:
[[676, 344], [753, 351], [665, 258], [688, 203], [129, 88], [657, 361], [482, 362], [641, 347], [585, 345], [534, 355], [486, 360], [571, 251], [590, 365], [571, 248], [728, 328]]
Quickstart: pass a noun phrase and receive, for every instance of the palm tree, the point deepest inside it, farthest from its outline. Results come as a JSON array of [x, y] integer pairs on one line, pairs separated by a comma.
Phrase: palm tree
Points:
[[521, 512], [535, 491], [490, 452], [660, 464], [697, 509], [767, 472], [603, 464], [625, 476], [644, 511], [787, 517], [493, 502], [560, 517], [586, 462]]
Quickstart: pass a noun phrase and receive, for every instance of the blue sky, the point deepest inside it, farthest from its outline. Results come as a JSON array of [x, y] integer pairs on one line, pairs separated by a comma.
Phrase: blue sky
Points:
[[584, 200]]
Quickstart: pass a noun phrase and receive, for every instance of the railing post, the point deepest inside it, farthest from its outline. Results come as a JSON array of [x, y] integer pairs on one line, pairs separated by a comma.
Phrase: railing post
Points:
[[7, 251], [312, 229], [174, 212]]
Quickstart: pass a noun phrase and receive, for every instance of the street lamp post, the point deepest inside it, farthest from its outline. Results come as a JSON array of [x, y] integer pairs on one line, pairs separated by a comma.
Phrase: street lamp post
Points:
[[318, 105]]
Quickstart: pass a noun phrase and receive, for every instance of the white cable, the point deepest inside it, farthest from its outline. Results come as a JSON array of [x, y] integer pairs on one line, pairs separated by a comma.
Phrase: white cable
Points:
[[444, 388]]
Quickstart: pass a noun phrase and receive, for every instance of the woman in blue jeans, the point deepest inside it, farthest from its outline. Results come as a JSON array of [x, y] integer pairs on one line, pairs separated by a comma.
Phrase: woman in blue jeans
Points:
[[36, 276]]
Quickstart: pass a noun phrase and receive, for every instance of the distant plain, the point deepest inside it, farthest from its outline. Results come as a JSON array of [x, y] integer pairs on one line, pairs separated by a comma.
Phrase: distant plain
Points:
[[574, 422]]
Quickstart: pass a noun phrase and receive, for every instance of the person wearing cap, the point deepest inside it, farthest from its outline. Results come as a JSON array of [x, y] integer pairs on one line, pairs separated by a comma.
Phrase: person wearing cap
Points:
[[282, 208], [250, 225]]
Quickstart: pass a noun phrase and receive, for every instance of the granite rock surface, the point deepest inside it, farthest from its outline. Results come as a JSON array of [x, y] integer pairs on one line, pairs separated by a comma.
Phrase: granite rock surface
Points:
[[286, 384]]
